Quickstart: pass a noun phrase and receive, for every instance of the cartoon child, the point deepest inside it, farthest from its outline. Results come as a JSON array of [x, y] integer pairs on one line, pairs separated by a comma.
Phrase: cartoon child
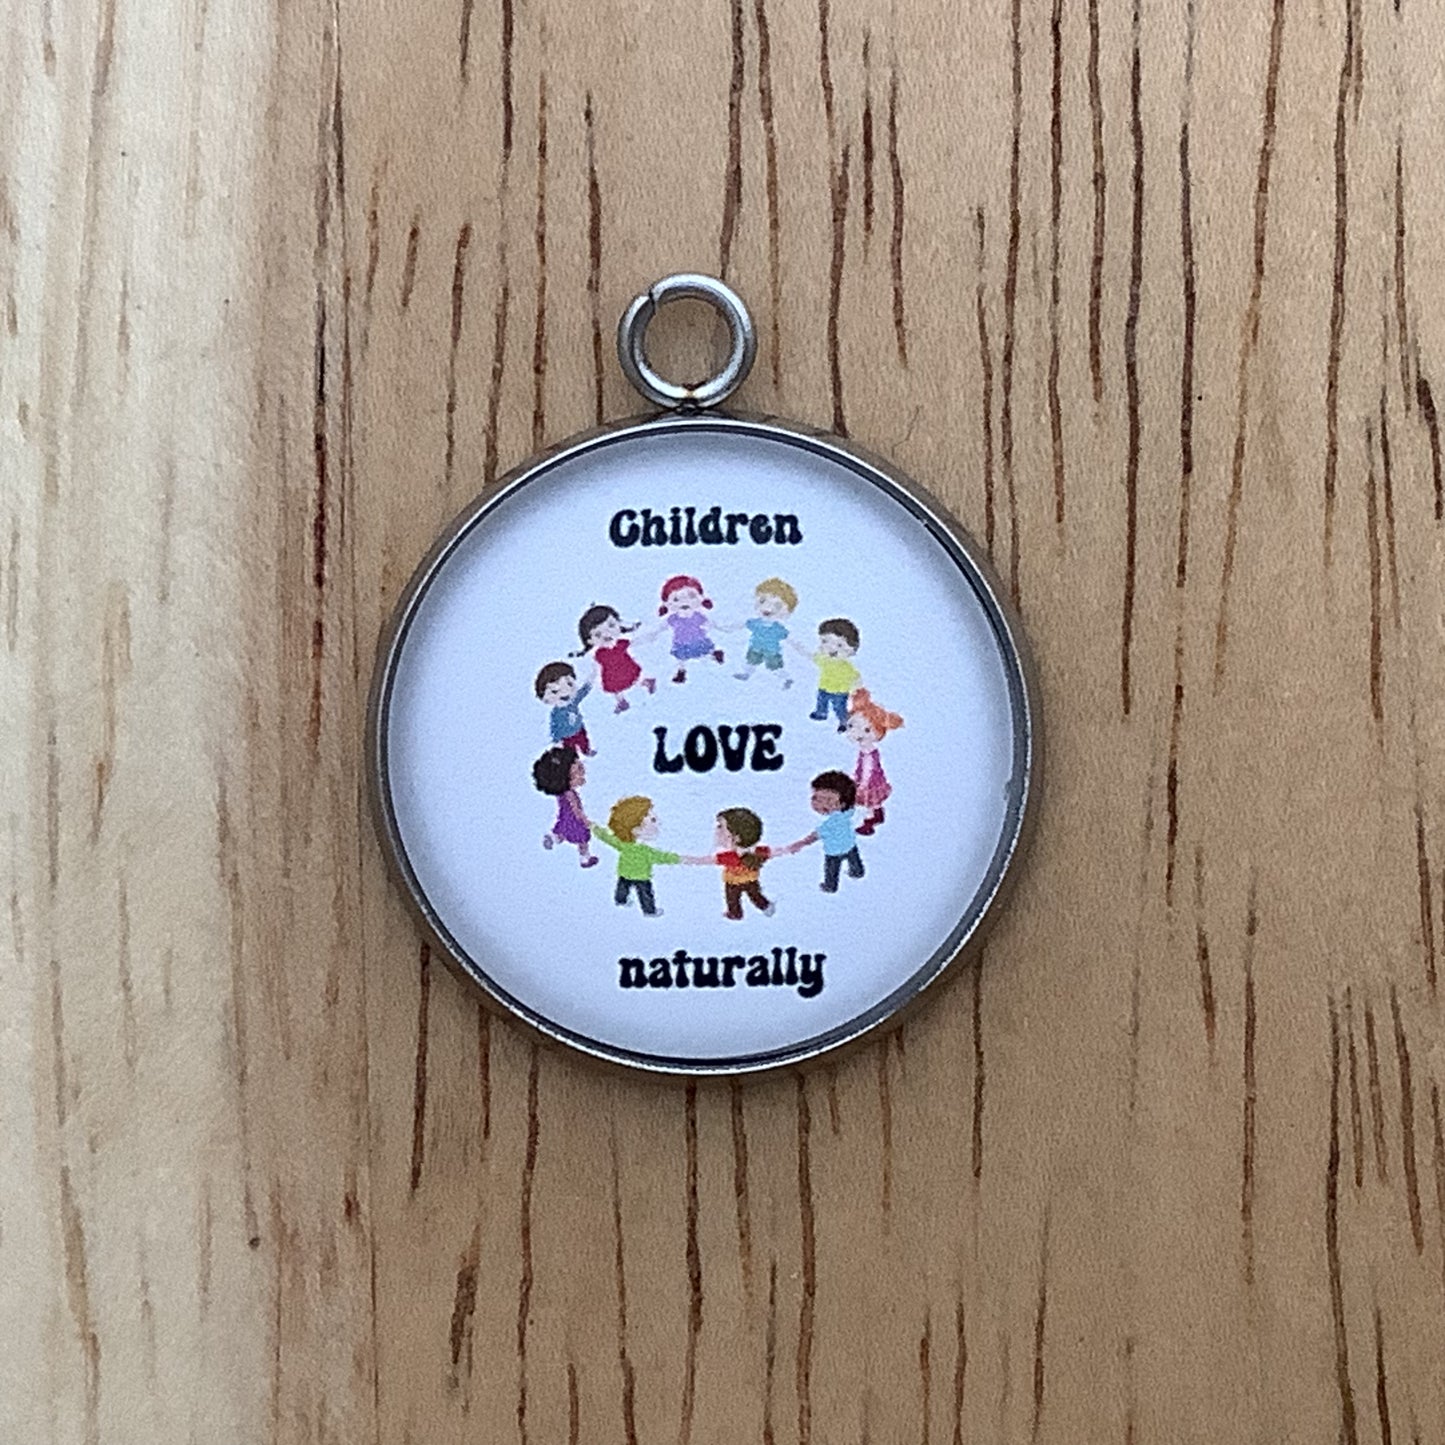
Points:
[[684, 608], [737, 837], [837, 677], [556, 685], [601, 632], [559, 774], [868, 724], [773, 603], [630, 828], [834, 795]]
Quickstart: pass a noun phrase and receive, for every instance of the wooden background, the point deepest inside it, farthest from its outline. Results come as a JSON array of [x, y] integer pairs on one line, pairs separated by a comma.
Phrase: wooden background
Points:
[[1150, 296]]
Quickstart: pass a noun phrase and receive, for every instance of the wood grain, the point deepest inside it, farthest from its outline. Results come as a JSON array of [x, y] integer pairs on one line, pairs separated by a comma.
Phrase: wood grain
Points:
[[1149, 294]]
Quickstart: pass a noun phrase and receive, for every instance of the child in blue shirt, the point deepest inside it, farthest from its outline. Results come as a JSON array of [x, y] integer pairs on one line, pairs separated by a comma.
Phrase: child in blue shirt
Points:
[[556, 686], [834, 795], [774, 601]]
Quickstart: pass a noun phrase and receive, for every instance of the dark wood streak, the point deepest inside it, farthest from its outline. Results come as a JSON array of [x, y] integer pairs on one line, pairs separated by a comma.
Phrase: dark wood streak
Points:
[[524, 1290], [733, 176], [1056, 200], [1337, 295], [1387, 494], [1377, 1096], [624, 1356], [1425, 400], [978, 1070], [508, 39], [835, 1112], [1348, 1426], [1402, 324], [459, 283], [464, 42], [484, 1071], [1372, 547], [885, 1132], [373, 242], [770, 1352], [895, 246], [1041, 1314], [960, 1369], [925, 1371], [740, 1184], [985, 354], [1407, 1125], [770, 172], [419, 1072], [129, 1042], [1100, 183], [1382, 1388], [594, 260], [72, 1223], [574, 1407], [1188, 272], [539, 317], [408, 266], [1251, 1087], [825, 80], [1249, 339], [1131, 368], [1357, 1118], [464, 1305], [1010, 297], [867, 151], [835, 293], [490, 447], [1437, 1160], [694, 1272], [1201, 954], [1427, 905], [808, 1243]]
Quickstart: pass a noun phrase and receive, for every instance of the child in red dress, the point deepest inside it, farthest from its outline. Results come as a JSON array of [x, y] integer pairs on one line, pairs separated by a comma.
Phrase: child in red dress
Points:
[[602, 635]]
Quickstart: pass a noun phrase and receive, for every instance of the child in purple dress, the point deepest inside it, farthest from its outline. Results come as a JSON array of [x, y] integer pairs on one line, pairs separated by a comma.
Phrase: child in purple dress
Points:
[[560, 774], [683, 609]]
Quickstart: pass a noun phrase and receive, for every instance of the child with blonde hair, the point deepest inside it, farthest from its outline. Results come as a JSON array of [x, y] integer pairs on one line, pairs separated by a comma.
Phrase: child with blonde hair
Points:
[[631, 826], [774, 601], [868, 725]]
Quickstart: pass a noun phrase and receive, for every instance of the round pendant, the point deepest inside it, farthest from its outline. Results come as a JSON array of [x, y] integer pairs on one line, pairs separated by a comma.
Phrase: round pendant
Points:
[[706, 743]]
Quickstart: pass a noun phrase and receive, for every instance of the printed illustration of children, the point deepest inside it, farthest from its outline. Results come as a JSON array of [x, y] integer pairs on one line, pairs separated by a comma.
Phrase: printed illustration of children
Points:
[[774, 601], [602, 635], [834, 796], [837, 677], [631, 826], [560, 774], [868, 724], [684, 609], [556, 685], [737, 839]]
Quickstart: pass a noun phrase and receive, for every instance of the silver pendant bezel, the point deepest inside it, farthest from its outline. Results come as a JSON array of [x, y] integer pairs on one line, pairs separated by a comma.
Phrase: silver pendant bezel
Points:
[[964, 940]]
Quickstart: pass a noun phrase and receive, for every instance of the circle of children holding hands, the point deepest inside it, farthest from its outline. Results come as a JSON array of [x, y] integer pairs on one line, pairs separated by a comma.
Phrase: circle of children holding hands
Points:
[[848, 805]]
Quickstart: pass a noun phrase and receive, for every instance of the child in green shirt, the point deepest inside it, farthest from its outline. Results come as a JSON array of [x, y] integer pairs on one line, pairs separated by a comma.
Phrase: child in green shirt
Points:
[[630, 826]]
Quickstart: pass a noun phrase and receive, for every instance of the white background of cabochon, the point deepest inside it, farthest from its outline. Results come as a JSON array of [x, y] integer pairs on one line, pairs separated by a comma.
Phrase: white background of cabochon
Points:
[[465, 727]]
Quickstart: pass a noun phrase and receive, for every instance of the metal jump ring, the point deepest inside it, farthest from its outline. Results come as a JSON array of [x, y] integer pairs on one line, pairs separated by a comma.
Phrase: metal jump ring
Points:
[[632, 336]]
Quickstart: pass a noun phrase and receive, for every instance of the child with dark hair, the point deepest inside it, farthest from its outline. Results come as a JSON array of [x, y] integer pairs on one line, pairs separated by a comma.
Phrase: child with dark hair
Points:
[[559, 774], [834, 796], [739, 832], [837, 677], [556, 685], [601, 632]]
